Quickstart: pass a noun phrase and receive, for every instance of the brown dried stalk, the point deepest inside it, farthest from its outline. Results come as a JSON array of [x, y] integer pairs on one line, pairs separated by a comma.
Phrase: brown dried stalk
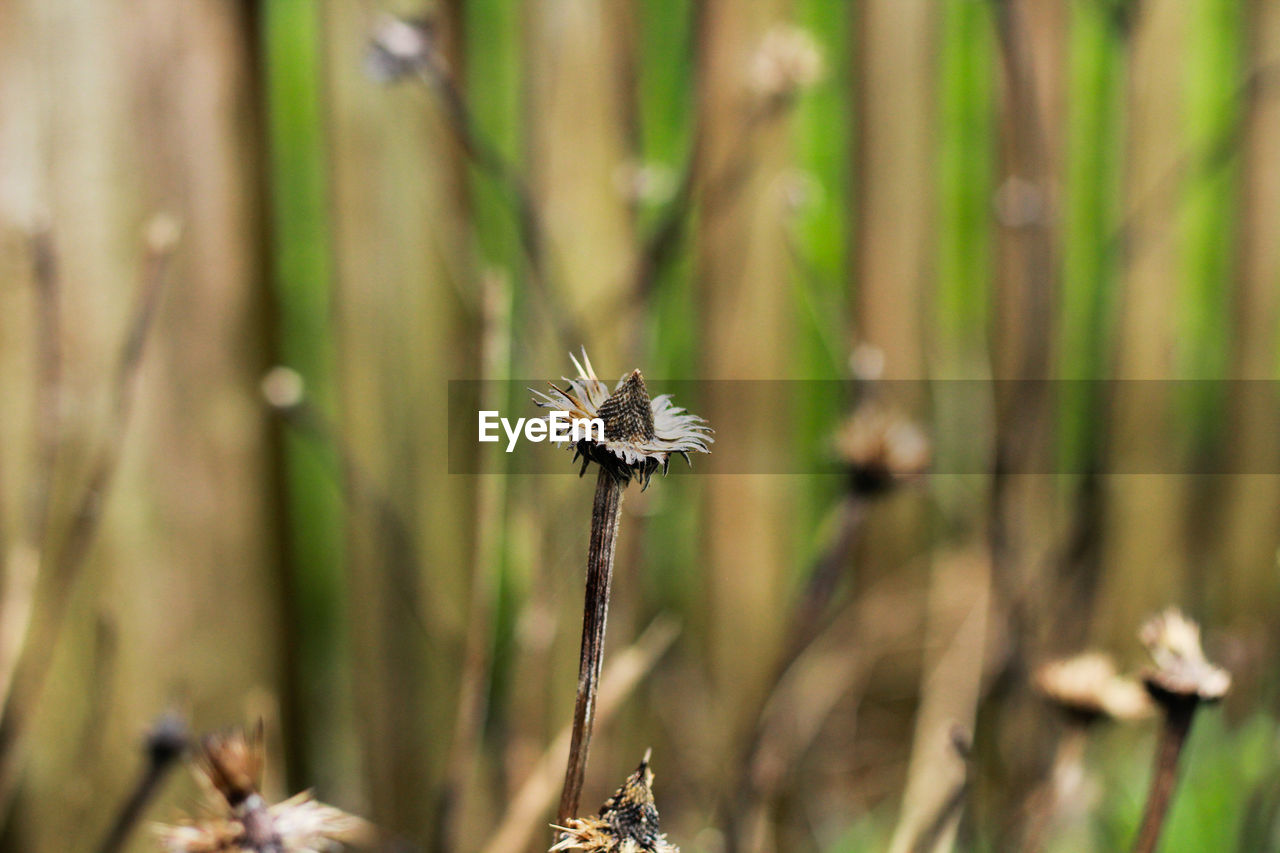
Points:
[[1181, 680], [605, 511], [525, 813], [1173, 735], [60, 567]]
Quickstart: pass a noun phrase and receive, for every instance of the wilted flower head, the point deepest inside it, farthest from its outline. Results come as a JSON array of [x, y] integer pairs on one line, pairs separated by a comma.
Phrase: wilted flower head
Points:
[[398, 48], [230, 767], [1181, 669], [881, 448], [627, 823], [640, 434], [1088, 687], [787, 61]]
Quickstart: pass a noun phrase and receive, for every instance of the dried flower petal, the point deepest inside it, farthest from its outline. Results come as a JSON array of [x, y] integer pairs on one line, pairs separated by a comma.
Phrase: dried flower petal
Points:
[[1089, 687], [1181, 669], [628, 821], [640, 434]]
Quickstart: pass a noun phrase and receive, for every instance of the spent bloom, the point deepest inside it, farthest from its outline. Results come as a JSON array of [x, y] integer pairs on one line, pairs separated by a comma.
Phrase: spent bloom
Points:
[[640, 434], [627, 823], [229, 766], [881, 448], [1088, 687], [1181, 669]]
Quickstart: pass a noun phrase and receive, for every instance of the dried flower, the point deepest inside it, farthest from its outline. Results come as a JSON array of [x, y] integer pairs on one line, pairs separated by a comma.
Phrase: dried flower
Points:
[[1088, 687], [881, 448], [627, 823], [230, 766], [640, 434], [787, 62], [1181, 668]]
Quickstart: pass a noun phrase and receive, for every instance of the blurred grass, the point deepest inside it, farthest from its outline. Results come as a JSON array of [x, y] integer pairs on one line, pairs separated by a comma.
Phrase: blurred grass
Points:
[[302, 278]]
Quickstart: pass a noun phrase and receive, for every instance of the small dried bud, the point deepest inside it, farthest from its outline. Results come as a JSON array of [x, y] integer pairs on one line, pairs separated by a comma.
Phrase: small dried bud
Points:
[[283, 388], [162, 233], [399, 48], [787, 62], [1088, 688], [627, 823], [881, 448], [645, 183], [167, 739], [1181, 669]]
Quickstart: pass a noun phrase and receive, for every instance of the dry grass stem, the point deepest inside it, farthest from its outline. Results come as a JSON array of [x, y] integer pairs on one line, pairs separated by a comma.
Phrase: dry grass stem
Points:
[[1180, 681], [60, 568]]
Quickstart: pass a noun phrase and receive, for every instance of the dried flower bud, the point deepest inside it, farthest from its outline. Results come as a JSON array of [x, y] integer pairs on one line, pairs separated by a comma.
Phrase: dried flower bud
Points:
[[787, 62], [399, 48], [627, 823], [283, 388], [1181, 669], [1088, 687], [881, 448]]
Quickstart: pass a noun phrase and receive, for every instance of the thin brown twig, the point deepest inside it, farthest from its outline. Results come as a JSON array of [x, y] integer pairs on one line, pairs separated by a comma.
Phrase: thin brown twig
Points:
[[537, 793], [48, 392], [60, 572], [165, 744], [605, 513], [485, 155], [490, 510], [1178, 716], [22, 567]]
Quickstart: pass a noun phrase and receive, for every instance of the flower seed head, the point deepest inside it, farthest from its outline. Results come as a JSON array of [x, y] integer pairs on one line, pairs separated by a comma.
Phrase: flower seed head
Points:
[[1088, 688], [641, 434], [1181, 670], [627, 823]]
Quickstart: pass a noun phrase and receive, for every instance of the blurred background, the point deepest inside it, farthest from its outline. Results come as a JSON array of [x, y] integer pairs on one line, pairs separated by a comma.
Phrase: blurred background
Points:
[[1004, 192]]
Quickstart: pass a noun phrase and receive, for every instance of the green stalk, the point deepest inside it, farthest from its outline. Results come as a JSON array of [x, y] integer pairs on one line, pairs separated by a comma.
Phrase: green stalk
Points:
[[301, 277]]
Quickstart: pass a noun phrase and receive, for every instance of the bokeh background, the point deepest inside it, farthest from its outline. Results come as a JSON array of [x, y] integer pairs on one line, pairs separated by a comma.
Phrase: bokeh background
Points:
[[729, 189]]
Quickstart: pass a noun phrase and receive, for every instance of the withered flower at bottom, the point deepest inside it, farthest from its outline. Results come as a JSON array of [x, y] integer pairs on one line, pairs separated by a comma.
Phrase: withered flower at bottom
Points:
[[627, 823], [241, 821]]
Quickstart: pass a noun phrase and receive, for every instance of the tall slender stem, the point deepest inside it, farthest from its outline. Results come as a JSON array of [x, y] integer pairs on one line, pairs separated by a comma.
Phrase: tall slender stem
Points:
[[604, 541], [1178, 714]]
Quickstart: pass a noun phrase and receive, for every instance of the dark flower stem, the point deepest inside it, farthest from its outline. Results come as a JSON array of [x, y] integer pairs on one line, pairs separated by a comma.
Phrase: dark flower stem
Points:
[[165, 745], [1178, 715], [604, 541]]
